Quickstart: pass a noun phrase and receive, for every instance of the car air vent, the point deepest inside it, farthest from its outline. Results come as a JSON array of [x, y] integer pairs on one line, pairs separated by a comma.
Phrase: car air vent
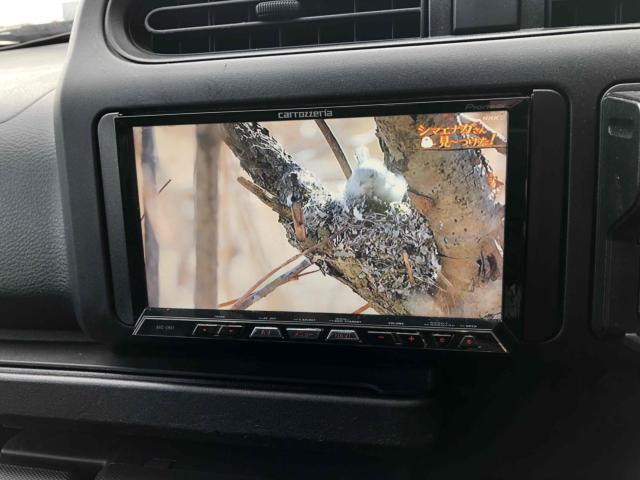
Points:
[[200, 26], [574, 13]]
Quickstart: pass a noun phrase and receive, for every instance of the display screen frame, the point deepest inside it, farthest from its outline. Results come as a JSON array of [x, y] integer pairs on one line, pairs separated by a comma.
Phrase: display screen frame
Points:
[[125, 232]]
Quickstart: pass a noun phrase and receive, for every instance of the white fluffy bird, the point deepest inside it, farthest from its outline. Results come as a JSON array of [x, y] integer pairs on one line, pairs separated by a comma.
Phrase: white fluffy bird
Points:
[[372, 180]]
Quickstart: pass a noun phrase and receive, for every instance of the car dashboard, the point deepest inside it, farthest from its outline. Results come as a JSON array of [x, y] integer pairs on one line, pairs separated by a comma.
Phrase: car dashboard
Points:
[[433, 202]]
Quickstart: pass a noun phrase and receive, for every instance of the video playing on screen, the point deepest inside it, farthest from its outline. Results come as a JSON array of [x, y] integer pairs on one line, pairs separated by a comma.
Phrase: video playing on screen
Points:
[[388, 215]]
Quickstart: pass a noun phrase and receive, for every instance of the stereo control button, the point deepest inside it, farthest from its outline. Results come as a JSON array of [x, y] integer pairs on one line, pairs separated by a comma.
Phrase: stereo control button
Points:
[[488, 343], [229, 331], [268, 333], [468, 342], [380, 338], [205, 330], [413, 340], [339, 335], [304, 333], [442, 339]]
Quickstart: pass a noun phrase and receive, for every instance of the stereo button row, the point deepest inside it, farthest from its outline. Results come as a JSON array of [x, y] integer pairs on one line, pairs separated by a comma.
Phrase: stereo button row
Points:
[[405, 339], [476, 341], [207, 330], [274, 333]]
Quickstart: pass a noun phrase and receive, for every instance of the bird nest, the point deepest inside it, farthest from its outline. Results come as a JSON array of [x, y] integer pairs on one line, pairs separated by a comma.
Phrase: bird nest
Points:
[[387, 255]]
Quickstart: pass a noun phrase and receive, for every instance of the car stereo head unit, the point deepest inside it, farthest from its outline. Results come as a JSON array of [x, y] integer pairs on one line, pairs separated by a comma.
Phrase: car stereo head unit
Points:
[[398, 225]]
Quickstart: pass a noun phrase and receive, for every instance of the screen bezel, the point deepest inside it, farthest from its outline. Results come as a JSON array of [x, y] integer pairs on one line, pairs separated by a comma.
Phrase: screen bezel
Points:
[[128, 267]]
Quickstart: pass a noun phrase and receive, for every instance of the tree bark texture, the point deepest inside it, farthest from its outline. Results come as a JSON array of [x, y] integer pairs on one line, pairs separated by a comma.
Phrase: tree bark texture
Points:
[[148, 161], [206, 215], [454, 191]]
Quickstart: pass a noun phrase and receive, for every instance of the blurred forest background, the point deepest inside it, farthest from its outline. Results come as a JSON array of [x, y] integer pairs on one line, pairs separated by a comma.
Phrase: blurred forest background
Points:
[[236, 235]]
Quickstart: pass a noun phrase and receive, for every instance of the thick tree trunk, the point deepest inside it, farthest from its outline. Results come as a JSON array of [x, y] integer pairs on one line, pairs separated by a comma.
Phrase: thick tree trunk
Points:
[[206, 215], [454, 191], [148, 162], [367, 249]]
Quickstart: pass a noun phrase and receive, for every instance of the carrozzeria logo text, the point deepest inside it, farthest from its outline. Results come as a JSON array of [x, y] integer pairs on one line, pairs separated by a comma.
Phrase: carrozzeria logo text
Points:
[[305, 114]]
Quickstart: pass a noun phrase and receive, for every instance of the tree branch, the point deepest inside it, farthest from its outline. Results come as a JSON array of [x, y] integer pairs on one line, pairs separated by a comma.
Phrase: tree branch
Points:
[[335, 147], [166, 184], [228, 303], [264, 278], [361, 309], [264, 197], [286, 277], [299, 228]]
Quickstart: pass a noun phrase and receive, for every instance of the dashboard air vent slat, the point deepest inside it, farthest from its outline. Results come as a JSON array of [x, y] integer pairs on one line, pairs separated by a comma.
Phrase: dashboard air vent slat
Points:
[[575, 13], [199, 26]]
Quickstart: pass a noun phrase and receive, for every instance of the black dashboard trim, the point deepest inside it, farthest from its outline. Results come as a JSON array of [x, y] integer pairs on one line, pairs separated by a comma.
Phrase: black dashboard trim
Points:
[[119, 39], [161, 405]]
